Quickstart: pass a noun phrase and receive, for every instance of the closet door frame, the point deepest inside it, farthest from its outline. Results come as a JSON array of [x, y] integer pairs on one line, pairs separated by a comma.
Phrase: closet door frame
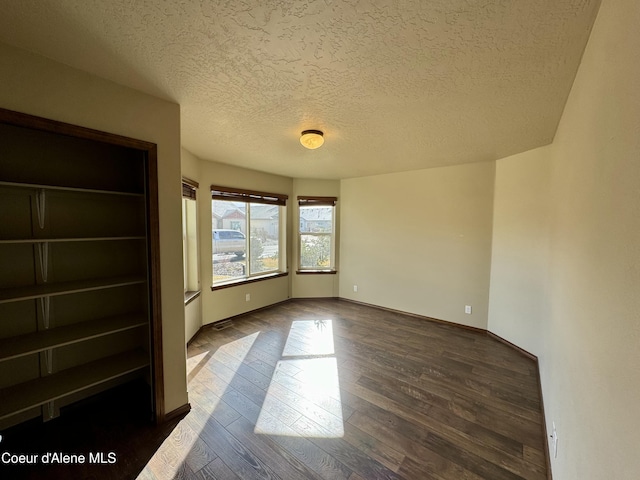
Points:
[[150, 155]]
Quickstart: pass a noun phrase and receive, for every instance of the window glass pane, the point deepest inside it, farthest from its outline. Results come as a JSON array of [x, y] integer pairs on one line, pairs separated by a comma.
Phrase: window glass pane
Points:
[[316, 219], [264, 241], [185, 251], [245, 239], [316, 232], [315, 251], [190, 245], [229, 240]]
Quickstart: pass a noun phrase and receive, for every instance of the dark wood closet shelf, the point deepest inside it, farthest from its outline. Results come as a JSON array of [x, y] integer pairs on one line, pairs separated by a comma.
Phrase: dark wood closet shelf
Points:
[[26, 395], [15, 294], [59, 336]]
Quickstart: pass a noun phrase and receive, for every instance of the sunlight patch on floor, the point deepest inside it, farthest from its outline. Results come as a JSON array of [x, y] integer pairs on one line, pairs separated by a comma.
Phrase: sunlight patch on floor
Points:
[[309, 337], [303, 398], [195, 361], [231, 354]]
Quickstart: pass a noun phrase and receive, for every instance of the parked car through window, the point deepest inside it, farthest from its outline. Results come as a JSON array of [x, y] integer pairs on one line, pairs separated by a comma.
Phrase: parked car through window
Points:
[[229, 241]]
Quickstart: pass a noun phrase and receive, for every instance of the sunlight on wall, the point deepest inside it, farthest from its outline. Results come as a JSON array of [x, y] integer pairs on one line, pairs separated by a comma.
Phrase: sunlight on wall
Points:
[[303, 398]]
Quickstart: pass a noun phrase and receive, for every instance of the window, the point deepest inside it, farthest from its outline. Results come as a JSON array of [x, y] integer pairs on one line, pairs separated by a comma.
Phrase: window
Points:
[[190, 238], [248, 234], [317, 239]]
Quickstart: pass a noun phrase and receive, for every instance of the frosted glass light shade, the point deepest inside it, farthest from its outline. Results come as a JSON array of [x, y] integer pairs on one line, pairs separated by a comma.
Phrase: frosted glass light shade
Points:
[[312, 139]]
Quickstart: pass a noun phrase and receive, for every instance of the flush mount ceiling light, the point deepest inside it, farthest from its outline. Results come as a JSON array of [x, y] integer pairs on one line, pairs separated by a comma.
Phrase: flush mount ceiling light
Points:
[[312, 139]]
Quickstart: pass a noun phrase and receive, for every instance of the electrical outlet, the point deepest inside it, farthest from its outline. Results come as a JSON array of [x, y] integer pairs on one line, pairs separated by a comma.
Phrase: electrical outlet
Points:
[[554, 437], [355, 288], [467, 309], [247, 297]]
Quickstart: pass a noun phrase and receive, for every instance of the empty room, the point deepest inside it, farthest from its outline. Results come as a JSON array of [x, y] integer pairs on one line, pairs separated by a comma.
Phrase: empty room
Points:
[[320, 240]]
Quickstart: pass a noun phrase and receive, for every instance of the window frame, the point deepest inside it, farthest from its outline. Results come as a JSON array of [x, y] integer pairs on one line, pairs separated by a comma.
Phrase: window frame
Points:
[[253, 197], [315, 201], [190, 240]]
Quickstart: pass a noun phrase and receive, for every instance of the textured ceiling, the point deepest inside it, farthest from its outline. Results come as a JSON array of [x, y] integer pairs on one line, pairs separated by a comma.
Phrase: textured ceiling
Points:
[[395, 85]]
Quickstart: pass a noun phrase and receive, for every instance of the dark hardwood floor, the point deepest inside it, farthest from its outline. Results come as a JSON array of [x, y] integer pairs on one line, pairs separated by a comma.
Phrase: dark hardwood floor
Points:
[[328, 389]]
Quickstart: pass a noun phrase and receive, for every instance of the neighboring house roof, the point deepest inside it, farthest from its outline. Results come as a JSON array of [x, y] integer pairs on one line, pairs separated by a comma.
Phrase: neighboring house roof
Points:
[[219, 209], [234, 213], [224, 209]]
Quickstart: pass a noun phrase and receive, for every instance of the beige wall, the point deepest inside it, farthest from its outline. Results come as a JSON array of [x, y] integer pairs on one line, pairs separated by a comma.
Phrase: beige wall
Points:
[[34, 85], [225, 303], [192, 318], [520, 248], [310, 285], [588, 336], [420, 241]]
